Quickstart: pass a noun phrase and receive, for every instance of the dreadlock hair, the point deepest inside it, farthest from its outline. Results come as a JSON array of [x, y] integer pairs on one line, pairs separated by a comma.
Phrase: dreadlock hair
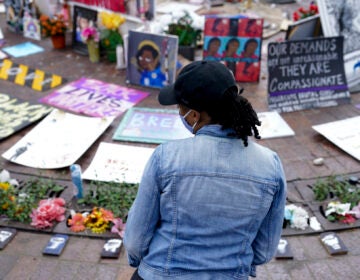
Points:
[[236, 112]]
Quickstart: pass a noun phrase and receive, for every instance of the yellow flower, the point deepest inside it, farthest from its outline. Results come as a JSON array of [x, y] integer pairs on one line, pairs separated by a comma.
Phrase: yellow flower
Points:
[[4, 185], [111, 20]]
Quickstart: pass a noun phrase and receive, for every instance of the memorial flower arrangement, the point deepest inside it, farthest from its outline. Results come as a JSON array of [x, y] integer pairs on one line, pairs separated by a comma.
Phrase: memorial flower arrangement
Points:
[[18, 204], [296, 216], [48, 211], [99, 220], [304, 13], [110, 36], [340, 199], [52, 26]]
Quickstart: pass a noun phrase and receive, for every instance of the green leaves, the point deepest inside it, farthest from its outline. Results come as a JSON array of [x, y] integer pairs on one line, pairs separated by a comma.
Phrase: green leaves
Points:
[[116, 197]]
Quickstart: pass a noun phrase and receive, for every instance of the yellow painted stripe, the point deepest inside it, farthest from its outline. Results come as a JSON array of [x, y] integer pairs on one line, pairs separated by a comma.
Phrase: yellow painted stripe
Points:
[[4, 69], [20, 78], [56, 80], [39, 78]]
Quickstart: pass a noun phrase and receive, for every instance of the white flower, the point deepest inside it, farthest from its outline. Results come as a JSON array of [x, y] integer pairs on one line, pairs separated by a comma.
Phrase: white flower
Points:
[[298, 216], [5, 177], [338, 208]]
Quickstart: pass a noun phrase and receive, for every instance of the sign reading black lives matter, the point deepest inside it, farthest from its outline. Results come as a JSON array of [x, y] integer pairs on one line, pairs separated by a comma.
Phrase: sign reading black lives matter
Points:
[[306, 74]]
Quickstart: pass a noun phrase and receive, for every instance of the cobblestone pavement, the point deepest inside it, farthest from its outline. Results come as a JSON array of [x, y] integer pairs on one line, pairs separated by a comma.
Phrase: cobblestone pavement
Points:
[[22, 258]]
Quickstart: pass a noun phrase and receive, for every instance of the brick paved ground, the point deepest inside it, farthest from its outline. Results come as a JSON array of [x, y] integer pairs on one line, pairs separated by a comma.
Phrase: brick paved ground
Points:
[[22, 258]]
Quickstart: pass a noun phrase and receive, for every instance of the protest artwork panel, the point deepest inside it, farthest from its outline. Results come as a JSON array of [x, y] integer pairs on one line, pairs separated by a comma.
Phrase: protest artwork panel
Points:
[[306, 74], [151, 59], [344, 133], [151, 125], [57, 141], [118, 163], [23, 75], [341, 18], [16, 114], [235, 41], [94, 98]]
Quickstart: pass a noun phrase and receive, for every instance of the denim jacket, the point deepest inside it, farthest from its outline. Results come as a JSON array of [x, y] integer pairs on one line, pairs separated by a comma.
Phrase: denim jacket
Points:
[[207, 208]]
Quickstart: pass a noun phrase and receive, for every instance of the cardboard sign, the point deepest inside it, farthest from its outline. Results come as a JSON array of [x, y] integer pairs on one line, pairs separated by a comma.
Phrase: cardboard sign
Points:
[[111, 248], [306, 74], [284, 250], [333, 244], [24, 76], [57, 141], [23, 49], [56, 245], [94, 98], [236, 41], [16, 114], [151, 126], [344, 133], [6, 235]]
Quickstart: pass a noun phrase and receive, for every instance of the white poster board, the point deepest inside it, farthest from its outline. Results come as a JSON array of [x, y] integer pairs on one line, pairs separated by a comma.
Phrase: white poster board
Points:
[[57, 141], [344, 133], [273, 125], [118, 163]]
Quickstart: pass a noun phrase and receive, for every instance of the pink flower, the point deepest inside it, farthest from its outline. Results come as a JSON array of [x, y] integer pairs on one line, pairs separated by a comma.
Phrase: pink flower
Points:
[[118, 227], [49, 210], [356, 211], [90, 33]]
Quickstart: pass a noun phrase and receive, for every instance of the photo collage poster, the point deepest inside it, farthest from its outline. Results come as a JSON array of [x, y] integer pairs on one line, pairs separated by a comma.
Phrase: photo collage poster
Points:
[[342, 18], [151, 59], [235, 41]]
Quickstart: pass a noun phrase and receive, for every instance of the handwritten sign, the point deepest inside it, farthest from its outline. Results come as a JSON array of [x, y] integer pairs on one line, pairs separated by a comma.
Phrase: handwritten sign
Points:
[[306, 74], [151, 125], [57, 141], [16, 114], [94, 98], [118, 163]]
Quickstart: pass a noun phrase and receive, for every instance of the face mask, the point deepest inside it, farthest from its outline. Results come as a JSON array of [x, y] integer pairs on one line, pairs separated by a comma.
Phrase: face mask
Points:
[[186, 124]]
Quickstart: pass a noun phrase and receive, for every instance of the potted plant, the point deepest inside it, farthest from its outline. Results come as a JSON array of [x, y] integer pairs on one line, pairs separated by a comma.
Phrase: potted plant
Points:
[[91, 37], [55, 28], [187, 33]]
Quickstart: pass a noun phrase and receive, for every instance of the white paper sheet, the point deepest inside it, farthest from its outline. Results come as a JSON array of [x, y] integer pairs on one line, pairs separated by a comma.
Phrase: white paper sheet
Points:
[[118, 163]]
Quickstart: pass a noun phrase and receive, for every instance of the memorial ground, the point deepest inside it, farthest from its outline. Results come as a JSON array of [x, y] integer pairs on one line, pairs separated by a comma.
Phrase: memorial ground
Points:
[[22, 258]]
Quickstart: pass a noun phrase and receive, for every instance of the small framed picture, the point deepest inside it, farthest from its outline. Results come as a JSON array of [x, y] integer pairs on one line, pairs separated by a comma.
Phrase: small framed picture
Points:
[[83, 17]]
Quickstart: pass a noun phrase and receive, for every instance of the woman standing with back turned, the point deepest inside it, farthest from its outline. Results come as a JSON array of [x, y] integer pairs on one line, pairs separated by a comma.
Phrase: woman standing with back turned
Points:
[[210, 206]]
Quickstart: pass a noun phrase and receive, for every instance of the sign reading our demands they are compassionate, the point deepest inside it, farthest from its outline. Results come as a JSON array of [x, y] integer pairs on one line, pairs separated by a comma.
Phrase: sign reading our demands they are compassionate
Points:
[[306, 74]]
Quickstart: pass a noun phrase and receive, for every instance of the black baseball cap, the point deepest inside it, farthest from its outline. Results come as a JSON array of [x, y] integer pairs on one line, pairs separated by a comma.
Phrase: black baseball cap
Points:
[[199, 85]]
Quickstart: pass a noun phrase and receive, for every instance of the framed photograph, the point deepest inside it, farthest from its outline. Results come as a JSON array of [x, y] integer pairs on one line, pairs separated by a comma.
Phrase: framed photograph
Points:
[[309, 27], [151, 59], [341, 18], [82, 18], [236, 41]]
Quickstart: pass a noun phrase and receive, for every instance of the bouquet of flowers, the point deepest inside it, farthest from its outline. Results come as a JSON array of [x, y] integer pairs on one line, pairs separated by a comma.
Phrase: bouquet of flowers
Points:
[[98, 221], [110, 36], [90, 33], [52, 26], [296, 216]]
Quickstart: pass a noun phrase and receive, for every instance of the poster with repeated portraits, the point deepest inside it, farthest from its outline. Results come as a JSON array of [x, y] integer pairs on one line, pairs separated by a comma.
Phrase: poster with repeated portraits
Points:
[[235, 41]]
